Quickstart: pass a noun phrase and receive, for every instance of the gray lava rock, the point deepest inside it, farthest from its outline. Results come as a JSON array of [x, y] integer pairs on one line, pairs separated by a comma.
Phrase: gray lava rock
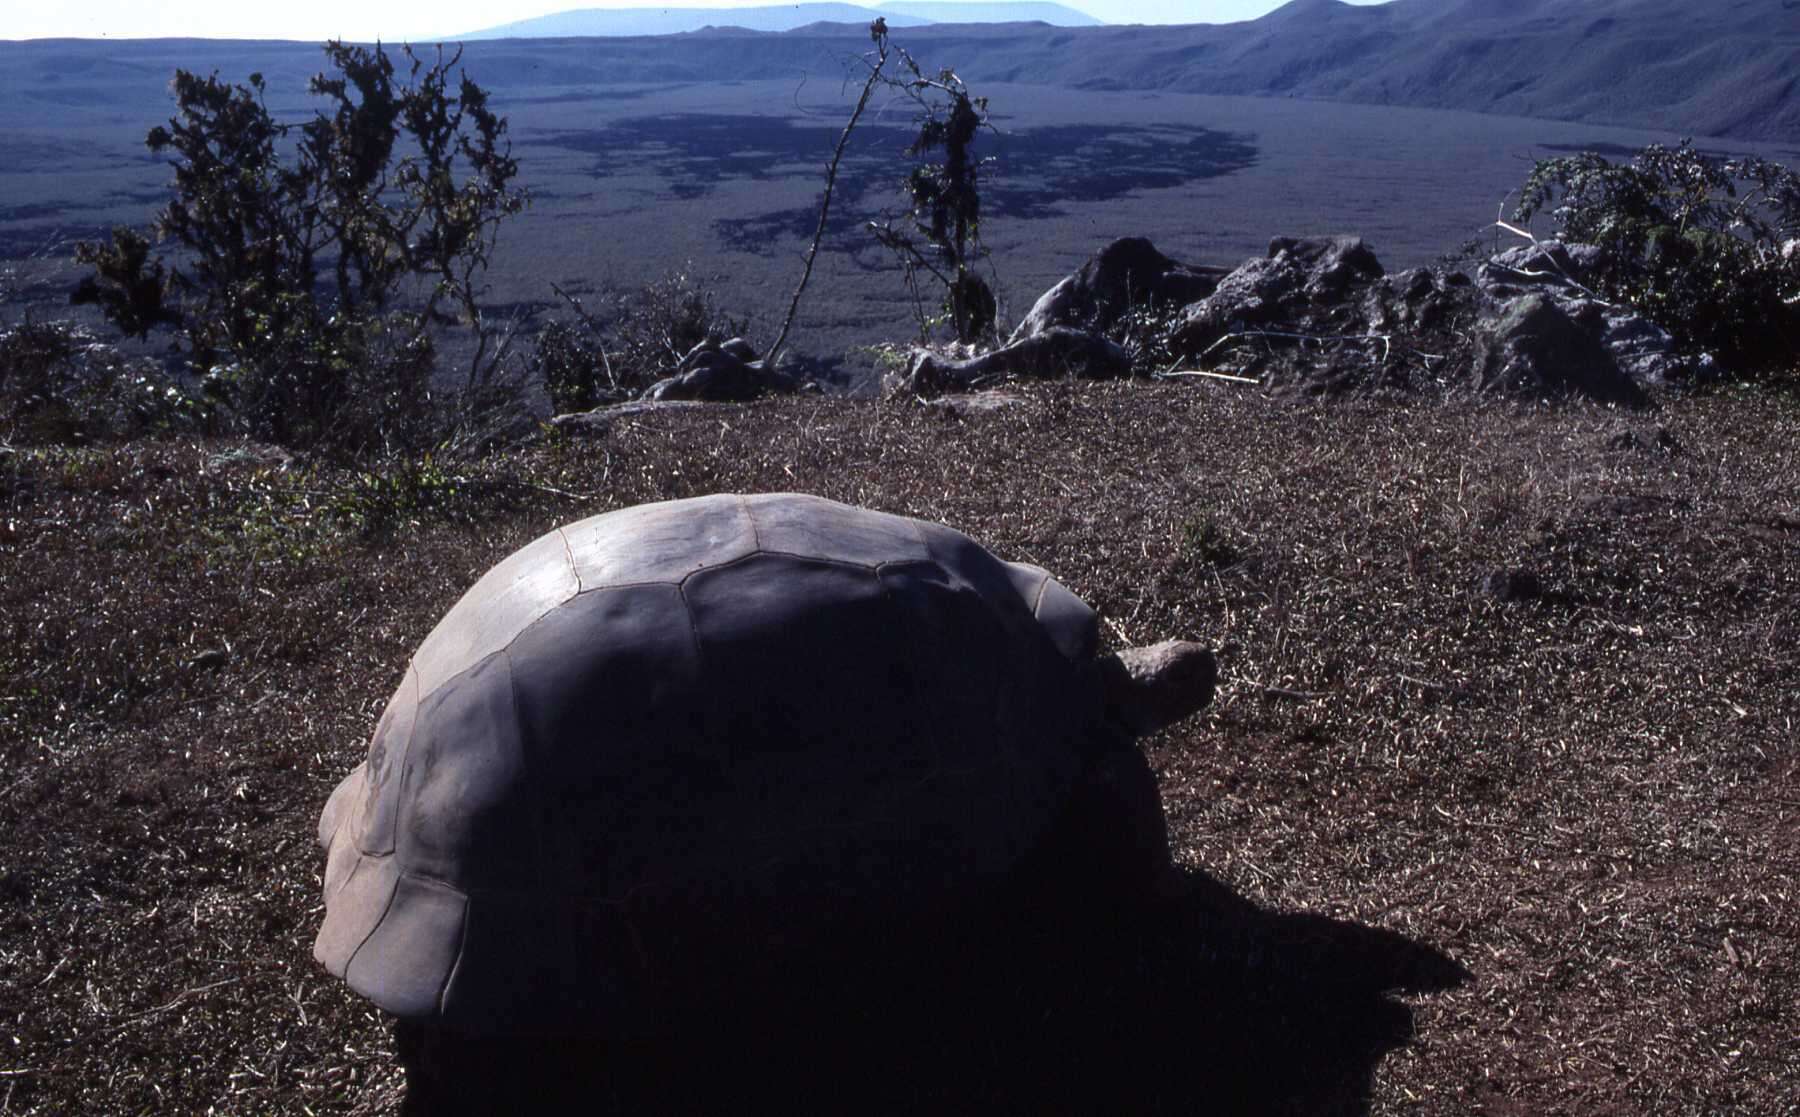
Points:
[[720, 372], [1644, 350], [1512, 585], [1562, 273], [1418, 299], [1663, 442], [1127, 273], [1320, 315], [1534, 348], [1308, 281], [1058, 351], [1333, 265], [1550, 262]]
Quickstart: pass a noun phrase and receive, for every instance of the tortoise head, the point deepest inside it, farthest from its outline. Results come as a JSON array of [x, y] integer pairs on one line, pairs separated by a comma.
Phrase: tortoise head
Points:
[[1142, 689], [1146, 689]]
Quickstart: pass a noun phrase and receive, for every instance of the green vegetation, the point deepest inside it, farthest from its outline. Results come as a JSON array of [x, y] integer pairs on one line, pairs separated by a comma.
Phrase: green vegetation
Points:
[[1701, 245], [1208, 542], [316, 261], [943, 242]]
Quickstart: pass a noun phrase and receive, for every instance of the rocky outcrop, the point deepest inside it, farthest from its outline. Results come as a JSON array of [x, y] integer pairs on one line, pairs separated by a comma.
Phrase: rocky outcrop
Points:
[[1127, 274], [721, 372], [1564, 274], [1307, 286], [1322, 315], [712, 372], [1534, 348], [1419, 300], [1058, 351]]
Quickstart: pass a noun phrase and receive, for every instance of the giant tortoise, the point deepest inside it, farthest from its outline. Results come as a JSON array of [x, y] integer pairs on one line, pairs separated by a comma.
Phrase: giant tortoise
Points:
[[665, 742]]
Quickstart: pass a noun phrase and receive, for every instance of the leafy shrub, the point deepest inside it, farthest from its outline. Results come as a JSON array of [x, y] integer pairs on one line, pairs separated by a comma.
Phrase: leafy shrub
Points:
[[37, 371], [660, 322], [349, 381], [1693, 241], [295, 254]]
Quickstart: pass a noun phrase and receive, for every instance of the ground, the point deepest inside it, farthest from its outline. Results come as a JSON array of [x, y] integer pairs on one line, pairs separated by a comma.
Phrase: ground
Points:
[[1505, 689]]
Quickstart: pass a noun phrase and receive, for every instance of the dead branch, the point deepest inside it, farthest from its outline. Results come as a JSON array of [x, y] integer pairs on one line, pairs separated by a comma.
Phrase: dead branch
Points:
[[1184, 373], [1387, 341], [594, 327], [877, 32], [1545, 253]]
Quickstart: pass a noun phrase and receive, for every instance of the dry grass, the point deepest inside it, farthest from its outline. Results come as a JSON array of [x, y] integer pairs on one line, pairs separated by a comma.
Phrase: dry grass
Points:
[[1579, 781]]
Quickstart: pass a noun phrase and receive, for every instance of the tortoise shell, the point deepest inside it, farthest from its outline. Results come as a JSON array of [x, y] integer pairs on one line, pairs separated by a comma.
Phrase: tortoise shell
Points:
[[738, 709]]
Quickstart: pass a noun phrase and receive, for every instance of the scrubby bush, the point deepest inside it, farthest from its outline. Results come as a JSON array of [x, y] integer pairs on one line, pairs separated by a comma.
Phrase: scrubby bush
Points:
[[1699, 244], [37, 380], [36, 365], [570, 361], [316, 260], [939, 237], [59, 385], [658, 324], [634, 340], [1149, 331]]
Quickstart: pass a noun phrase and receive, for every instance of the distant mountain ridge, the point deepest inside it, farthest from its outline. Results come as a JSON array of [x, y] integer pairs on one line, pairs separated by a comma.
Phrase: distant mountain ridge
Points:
[[1010, 11], [1723, 68], [618, 22], [615, 22]]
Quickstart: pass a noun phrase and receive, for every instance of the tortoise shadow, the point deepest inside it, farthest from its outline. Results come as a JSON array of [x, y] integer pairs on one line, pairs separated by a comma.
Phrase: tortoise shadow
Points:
[[1200, 1001]]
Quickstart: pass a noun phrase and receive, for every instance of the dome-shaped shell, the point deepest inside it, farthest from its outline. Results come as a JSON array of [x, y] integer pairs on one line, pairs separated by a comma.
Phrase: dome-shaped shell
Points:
[[705, 705]]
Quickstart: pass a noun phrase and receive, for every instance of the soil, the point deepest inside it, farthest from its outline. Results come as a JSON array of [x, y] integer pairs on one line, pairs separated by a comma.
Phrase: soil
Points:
[[1497, 810]]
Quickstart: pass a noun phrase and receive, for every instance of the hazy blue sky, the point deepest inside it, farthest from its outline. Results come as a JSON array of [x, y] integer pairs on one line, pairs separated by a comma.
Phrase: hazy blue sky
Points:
[[396, 20]]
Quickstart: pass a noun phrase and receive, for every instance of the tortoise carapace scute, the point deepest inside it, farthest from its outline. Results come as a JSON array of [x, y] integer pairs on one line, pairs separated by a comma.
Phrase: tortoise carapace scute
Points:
[[738, 712]]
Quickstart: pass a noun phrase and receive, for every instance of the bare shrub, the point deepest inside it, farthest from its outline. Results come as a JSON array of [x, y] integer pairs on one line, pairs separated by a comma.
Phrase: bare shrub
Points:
[[636, 339]]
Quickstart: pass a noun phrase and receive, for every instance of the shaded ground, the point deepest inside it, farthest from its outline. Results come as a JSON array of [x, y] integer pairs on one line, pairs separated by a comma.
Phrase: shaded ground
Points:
[[1502, 685]]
